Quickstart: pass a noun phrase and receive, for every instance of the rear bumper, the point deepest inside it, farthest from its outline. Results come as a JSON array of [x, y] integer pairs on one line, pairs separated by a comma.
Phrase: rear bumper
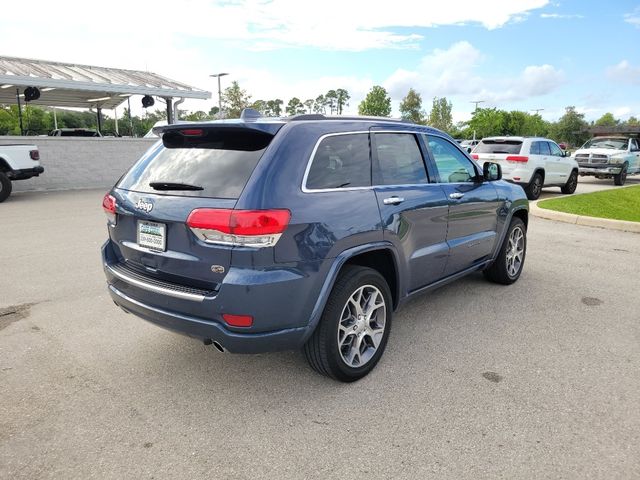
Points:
[[280, 302], [287, 339], [25, 173], [521, 176]]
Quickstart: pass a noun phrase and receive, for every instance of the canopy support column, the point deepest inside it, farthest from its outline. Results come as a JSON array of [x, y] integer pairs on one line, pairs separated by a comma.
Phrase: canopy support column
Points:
[[99, 118], [19, 111], [169, 101]]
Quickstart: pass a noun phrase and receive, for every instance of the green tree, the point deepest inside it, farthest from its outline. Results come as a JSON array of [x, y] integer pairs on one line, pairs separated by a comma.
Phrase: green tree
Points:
[[632, 122], [309, 103], [260, 106], [295, 107], [9, 124], [213, 111], [376, 103], [607, 120], [331, 97], [234, 100], [571, 128], [320, 105], [440, 116], [535, 125], [486, 122], [342, 99], [274, 108], [411, 107], [197, 116]]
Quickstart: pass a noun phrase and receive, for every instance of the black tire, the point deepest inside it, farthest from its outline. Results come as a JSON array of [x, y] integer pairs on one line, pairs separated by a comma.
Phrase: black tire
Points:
[[499, 271], [322, 350], [620, 178], [534, 189], [571, 185], [5, 187]]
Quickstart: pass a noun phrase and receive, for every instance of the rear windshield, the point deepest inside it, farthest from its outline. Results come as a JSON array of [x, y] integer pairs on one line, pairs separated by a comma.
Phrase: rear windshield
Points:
[[219, 170], [498, 146]]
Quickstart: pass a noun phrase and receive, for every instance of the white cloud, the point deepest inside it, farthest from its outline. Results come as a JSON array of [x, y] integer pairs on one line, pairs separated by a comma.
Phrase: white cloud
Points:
[[624, 72], [633, 18], [561, 15], [332, 24], [453, 72], [622, 112]]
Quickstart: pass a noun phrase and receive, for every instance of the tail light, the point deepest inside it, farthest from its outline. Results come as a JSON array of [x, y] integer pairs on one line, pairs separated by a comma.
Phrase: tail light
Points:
[[244, 228], [109, 207], [34, 154], [517, 158], [475, 156]]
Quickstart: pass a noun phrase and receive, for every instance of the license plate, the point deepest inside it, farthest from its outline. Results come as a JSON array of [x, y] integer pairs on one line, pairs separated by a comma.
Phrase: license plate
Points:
[[152, 235]]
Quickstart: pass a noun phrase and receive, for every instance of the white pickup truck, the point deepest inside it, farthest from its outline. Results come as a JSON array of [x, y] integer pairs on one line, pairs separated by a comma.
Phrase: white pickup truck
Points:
[[609, 157], [17, 162]]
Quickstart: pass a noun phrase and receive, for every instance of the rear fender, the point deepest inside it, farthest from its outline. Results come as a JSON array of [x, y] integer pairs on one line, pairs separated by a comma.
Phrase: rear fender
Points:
[[333, 273]]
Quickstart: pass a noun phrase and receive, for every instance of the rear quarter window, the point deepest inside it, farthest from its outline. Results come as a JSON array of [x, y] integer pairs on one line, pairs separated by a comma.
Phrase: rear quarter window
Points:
[[499, 146], [341, 161]]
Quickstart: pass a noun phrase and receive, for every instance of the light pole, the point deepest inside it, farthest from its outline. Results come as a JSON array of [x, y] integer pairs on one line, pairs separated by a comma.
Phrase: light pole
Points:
[[475, 111], [219, 92], [476, 102]]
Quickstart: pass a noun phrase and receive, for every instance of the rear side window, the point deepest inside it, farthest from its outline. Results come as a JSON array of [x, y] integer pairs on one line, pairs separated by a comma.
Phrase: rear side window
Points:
[[341, 161], [539, 148], [499, 146], [218, 166], [399, 160]]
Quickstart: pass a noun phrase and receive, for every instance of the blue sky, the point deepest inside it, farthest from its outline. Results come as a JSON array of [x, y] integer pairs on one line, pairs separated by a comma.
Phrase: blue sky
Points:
[[518, 54]]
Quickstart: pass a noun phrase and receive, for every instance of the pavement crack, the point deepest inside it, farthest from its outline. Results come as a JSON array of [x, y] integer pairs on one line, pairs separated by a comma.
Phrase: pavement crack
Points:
[[13, 313]]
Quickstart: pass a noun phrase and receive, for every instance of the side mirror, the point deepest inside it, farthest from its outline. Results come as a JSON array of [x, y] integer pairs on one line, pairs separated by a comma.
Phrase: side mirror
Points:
[[491, 171]]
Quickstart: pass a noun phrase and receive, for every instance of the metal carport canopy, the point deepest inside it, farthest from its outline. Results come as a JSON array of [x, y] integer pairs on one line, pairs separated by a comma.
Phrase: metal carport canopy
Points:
[[85, 86]]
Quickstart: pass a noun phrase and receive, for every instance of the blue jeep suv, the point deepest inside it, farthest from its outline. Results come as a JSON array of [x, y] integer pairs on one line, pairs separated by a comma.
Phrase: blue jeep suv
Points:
[[308, 232]]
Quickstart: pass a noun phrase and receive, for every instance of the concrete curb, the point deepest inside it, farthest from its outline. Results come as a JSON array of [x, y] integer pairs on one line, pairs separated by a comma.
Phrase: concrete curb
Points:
[[607, 223]]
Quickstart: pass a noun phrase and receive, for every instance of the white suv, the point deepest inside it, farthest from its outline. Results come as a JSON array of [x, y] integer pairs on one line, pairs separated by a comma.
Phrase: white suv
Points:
[[531, 162]]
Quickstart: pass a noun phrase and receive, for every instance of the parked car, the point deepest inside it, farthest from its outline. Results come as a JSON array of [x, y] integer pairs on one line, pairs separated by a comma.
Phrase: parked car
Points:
[[609, 157], [532, 162], [469, 145], [260, 234], [74, 132], [17, 162]]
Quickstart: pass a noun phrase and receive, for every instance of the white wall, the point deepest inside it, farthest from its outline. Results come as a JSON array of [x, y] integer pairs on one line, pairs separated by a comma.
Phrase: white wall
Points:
[[74, 163]]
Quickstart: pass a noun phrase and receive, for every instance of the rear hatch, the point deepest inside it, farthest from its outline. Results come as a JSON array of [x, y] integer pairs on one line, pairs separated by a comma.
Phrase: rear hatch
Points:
[[197, 167], [505, 151]]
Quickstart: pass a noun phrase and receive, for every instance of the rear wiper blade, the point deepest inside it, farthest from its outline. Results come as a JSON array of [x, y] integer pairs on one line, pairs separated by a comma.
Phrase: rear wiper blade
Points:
[[174, 186]]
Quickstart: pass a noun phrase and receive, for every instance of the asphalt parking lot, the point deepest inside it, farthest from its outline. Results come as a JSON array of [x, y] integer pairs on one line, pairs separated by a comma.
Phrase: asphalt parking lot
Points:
[[537, 380]]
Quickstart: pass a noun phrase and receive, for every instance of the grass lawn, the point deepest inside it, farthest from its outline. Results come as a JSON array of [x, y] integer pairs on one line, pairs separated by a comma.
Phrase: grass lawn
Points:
[[618, 204]]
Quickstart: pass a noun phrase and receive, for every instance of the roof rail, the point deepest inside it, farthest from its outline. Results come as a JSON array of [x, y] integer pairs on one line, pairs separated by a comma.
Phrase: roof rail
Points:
[[319, 116], [308, 116]]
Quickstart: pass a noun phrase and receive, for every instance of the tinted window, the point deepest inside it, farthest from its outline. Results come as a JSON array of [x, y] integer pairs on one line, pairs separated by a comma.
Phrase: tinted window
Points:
[[453, 166], [555, 149], [634, 145], [220, 173], [535, 148], [544, 148], [498, 146], [341, 161], [399, 158]]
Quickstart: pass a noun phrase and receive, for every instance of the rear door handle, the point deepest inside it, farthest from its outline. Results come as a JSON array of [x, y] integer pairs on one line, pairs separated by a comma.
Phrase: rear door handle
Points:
[[393, 200], [456, 195]]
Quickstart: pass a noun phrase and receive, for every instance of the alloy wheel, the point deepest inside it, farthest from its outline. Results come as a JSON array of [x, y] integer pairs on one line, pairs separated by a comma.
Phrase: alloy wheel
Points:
[[362, 326], [515, 252]]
